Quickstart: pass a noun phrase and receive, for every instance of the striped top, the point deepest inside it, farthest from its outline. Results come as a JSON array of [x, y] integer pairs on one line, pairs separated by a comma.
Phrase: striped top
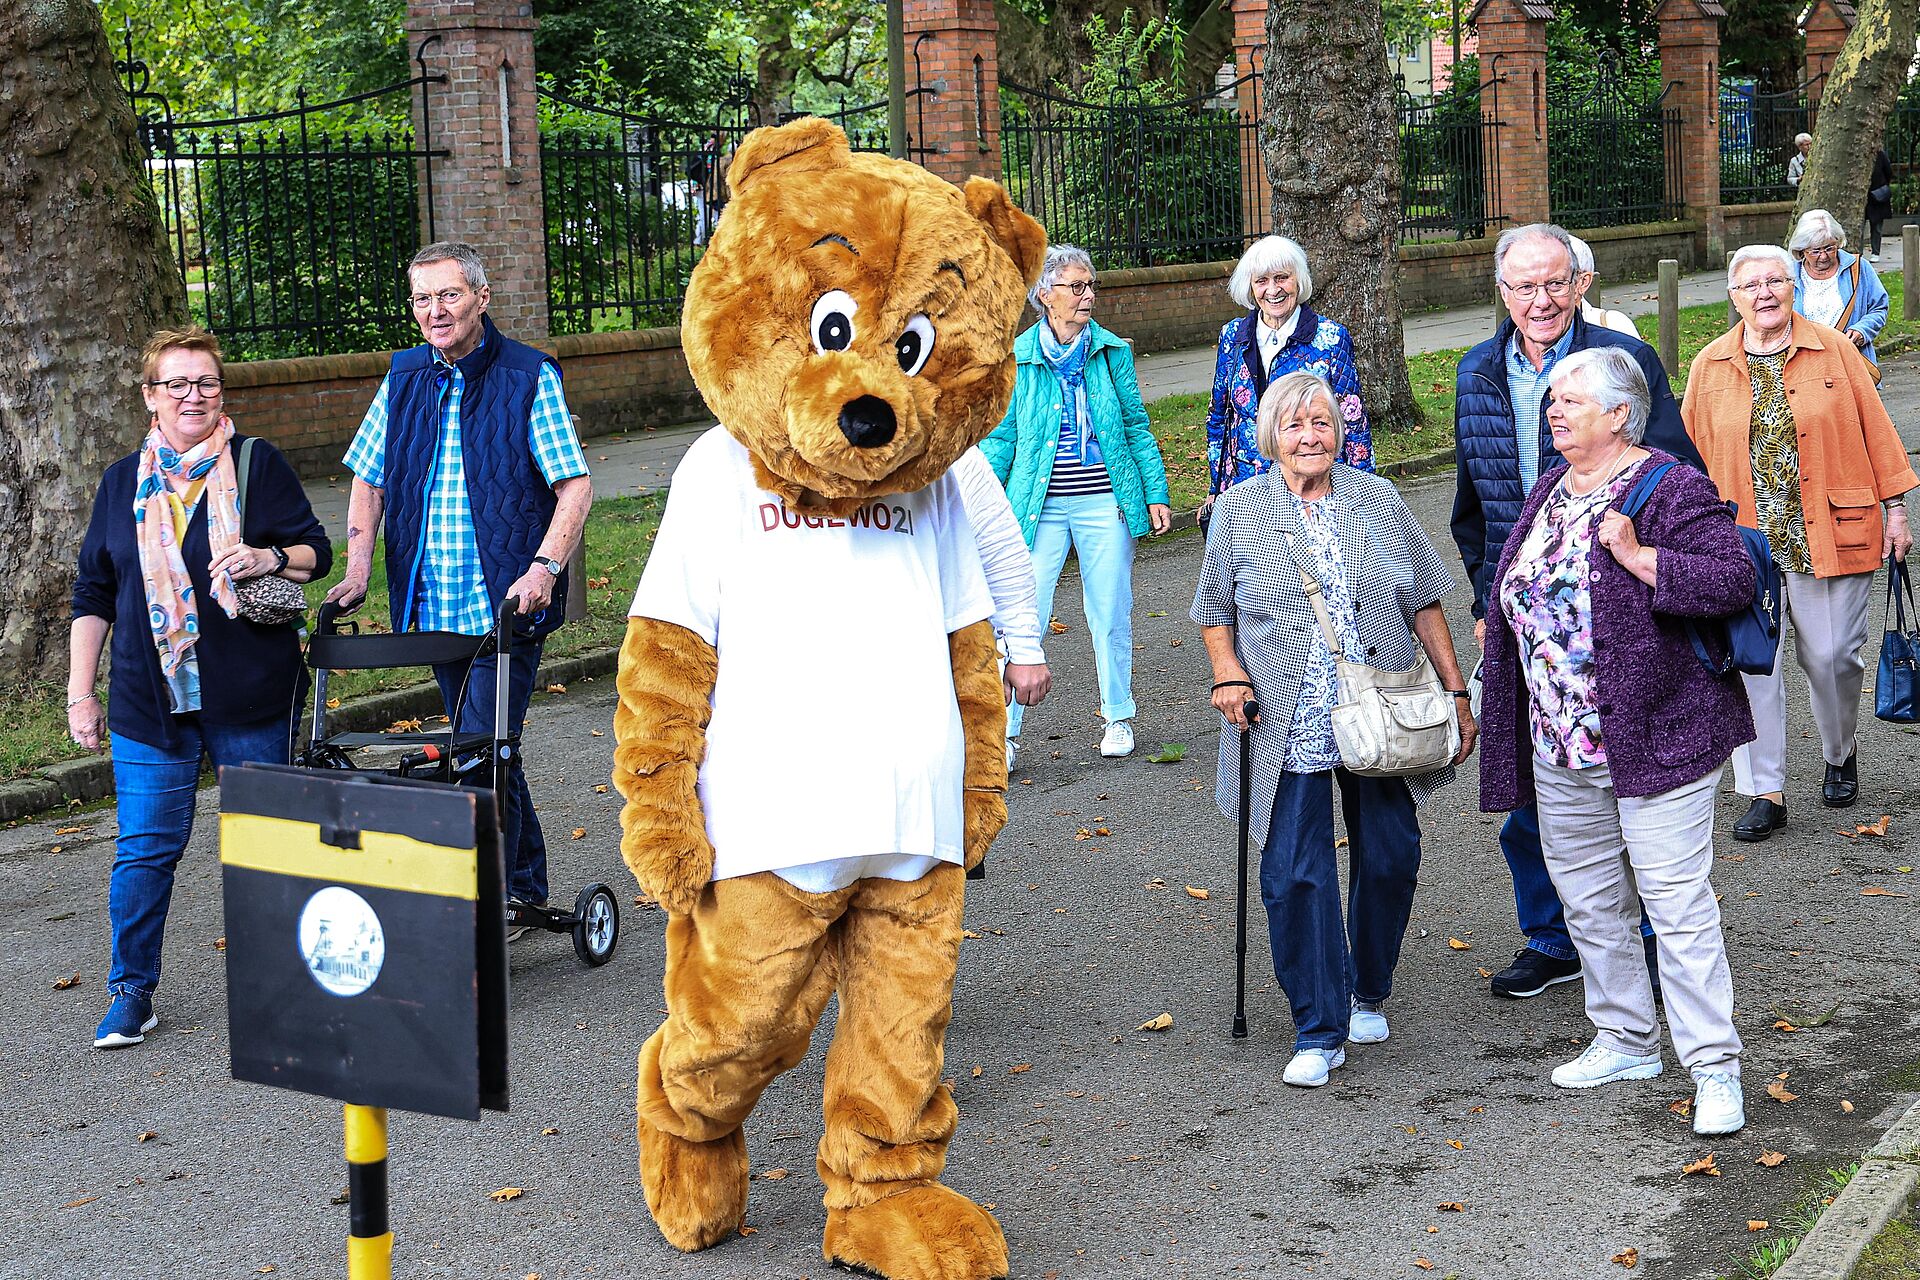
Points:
[[1078, 465]]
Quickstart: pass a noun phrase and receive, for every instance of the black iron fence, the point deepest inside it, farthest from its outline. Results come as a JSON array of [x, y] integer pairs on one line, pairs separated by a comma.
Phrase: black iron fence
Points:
[[293, 228], [1613, 155], [1449, 166], [1756, 139]]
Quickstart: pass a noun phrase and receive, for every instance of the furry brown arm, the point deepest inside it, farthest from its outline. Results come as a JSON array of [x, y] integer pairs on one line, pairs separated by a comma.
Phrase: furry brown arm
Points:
[[983, 714], [660, 731]]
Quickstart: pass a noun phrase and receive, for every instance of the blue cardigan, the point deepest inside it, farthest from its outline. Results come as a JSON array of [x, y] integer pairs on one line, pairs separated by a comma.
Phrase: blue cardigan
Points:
[[252, 672], [1869, 315]]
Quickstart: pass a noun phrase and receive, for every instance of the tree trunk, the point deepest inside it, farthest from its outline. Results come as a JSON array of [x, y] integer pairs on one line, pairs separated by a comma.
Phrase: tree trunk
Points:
[[1333, 155], [85, 278], [1860, 92]]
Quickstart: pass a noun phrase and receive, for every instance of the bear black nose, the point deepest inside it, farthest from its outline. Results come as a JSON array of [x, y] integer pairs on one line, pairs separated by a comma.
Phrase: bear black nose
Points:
[[867, 423]]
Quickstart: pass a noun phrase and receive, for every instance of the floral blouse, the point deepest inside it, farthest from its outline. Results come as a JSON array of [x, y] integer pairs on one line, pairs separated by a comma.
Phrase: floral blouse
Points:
[[1311, 746], [1548, 603], [1318, 345], [1776, 465]]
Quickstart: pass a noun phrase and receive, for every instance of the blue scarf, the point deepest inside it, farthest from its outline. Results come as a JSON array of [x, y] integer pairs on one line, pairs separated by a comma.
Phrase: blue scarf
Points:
[[1069, 364]]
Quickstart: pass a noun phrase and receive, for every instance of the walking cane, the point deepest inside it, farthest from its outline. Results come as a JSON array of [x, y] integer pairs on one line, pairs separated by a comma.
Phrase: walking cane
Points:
[[1252, 710]]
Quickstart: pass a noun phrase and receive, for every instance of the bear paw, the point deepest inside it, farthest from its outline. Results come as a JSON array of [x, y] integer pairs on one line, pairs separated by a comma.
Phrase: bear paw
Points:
[[925, 1233], [696, 1191]]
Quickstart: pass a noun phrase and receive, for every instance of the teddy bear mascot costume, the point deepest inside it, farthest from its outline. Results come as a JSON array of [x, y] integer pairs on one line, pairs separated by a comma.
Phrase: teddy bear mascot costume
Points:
[[811, 722]]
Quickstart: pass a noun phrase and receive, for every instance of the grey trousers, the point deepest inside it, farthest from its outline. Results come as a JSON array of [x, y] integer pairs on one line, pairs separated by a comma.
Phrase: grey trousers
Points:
[[1608, 855], [1829, 618]]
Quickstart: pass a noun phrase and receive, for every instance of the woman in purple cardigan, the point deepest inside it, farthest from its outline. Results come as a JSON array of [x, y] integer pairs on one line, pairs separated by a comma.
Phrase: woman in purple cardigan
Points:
[[1596, 707]]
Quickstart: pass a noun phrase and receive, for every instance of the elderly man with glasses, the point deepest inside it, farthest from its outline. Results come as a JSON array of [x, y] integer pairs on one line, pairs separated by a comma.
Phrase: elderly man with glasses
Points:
[[469, 455], [1502, 447]]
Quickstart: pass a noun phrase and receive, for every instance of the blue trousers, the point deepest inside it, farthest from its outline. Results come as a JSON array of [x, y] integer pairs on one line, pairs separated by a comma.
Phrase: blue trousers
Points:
[[523, 845], [1535, 900], [1321, 962], [1092, 526], [154, 794]]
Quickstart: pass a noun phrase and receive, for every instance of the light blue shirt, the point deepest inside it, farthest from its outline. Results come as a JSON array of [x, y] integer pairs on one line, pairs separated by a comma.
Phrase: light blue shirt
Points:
[[1527, 386]]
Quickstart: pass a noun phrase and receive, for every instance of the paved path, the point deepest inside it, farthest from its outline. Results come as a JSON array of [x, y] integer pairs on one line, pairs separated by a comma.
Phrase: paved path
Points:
[[638, 462], [1112, 1153]]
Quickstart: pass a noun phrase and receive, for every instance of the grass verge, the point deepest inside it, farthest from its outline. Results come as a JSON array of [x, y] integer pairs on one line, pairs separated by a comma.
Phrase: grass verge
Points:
[[1769, 1256]]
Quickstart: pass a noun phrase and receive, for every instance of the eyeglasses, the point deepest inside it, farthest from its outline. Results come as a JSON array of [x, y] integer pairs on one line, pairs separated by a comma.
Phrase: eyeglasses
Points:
[[1079, 288], [1821, 250], [1556, 289], [446, 298], [1772, 284], [179, 387]]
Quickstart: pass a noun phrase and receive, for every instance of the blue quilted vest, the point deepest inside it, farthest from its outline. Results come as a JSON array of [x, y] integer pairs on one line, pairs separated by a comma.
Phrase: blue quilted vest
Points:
[[511, 502]]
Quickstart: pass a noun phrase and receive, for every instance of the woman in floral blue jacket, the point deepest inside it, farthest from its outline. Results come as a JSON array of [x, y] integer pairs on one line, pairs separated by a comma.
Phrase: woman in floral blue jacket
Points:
[[1280, 334]]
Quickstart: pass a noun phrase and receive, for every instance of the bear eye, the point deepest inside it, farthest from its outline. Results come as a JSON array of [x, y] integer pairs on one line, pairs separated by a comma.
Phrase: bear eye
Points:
[[833, 321], [914, 345]]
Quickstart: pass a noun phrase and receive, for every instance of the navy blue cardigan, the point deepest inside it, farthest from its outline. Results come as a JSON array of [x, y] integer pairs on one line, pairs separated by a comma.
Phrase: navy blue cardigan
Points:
[[249, 672]]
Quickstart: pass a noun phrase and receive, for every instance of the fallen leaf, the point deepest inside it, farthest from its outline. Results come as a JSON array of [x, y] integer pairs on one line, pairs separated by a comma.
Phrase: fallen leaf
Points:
[[774, 1175], [1771, 1159], [264, 1268], [67, 831], [1705, 1166], [1628, 1258], [148, 1136], [333, 704], [1083, 834], [1169, 753], [556, 688], [1905, 871], [1102, 831], [1019, 1068], [968, 933], [978, 1072], [597, 733], [1756, 1224], [549, 1132], [1875, 891], [1175, 643], [1156, 613], [506, 1193], [1783, 1025], [1877, 828], [1058, 627], [404, 726], [1458, 945], [1456, 1144], [749, 1231], [75, 1204], [1846, 1106], [1410, 1128], [1681, 1107], [1452, 1206], [66, 984], [579, 833], [1423, 1264], [1162, 1023], [1202, 894], [1778, 1092], [1485, 973], [600, 790]]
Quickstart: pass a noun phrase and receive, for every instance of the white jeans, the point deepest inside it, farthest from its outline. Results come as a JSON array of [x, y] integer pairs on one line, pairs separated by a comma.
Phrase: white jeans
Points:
[[1829, 629], [1610, 854]]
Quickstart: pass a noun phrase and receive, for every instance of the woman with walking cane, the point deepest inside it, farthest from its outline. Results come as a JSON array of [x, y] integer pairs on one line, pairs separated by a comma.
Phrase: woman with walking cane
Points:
[[1313, 518]]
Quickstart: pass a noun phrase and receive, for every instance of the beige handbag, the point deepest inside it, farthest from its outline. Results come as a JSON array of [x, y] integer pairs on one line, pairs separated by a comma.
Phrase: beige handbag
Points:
[[1388, 724]]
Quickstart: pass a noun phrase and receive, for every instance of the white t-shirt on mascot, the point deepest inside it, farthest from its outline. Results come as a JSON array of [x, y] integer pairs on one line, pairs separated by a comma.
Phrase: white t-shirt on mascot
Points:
[[835, 750]]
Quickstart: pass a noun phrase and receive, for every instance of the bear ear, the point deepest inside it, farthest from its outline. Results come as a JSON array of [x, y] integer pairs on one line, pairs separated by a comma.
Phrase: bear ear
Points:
[[1010, 227], [807, 144]]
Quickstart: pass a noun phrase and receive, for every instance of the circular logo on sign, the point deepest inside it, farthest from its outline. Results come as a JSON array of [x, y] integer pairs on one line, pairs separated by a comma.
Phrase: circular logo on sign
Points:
[[341, 941]]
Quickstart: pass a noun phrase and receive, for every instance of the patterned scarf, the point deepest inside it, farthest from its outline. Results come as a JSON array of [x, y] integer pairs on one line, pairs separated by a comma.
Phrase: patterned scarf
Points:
[[1069, 364], [172, 613]]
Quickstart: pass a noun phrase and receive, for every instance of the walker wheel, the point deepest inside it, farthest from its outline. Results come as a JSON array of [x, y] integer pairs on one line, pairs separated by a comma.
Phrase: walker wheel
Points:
[[596, 928]]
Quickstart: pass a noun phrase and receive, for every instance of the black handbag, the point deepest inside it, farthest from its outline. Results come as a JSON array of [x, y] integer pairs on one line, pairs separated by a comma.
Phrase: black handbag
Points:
[[1896, 685]]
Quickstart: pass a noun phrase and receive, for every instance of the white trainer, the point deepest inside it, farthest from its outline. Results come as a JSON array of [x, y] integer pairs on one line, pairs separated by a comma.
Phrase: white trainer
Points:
[[1366, 1026], [1310, 1067], [1597, 1066], [1718, 1105], [1013, 752], [1118, 740]]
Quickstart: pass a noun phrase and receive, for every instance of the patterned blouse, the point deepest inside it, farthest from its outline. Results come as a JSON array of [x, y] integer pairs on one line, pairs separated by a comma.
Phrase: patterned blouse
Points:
[[1547, 601], [1776, 465], [1311, 746]]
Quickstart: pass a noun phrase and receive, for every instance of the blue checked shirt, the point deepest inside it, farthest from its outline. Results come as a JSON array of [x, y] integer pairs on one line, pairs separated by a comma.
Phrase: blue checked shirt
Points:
[[451, 592], [1527, 386]]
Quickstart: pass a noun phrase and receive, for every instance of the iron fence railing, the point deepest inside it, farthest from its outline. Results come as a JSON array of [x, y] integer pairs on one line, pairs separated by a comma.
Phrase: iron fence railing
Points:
[[1756, 139], [1449, 167], [1613, 156]]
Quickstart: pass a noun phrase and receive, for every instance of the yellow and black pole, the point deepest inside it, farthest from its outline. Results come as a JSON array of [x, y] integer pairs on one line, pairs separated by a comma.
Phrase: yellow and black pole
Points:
[[369, 1241]]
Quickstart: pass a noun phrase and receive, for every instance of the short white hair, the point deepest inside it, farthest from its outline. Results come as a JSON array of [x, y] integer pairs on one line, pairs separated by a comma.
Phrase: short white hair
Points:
[[1582, 255], [1759, 253], [1533, 230], [1059, 257], [1612, 378], [1270, 253], [1286, 398], [1814, 226], [1799, 138]]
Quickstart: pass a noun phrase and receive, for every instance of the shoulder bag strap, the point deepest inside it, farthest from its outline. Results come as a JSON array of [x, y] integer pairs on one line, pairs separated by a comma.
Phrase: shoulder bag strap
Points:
[[1899, 595], [1853, 298], [1312, 586], [240, 481]]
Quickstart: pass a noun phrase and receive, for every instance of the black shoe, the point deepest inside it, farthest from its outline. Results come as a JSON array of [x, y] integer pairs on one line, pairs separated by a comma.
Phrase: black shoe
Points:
[[1762, 819], [1531, 973], [1653, 964], [1842, 786]]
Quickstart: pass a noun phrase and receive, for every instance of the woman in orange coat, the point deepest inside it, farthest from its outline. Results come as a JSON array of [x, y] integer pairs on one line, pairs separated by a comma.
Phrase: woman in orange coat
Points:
[[1784, 412]]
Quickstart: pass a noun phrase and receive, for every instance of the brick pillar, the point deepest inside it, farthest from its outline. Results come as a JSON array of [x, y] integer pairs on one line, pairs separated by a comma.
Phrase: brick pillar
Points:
[[1513, 75], [486, 189], [1690, 63], [954, 47], [1825, 28], [1250, 58]]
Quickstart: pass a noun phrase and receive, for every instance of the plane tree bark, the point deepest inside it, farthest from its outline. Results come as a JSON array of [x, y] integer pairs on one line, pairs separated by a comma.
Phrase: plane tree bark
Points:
[[1859, 95]]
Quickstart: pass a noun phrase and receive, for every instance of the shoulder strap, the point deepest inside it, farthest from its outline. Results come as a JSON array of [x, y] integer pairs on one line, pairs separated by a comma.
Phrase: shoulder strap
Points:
[[1853, 298], [1312, 586], [1642, 490], [240, 480]]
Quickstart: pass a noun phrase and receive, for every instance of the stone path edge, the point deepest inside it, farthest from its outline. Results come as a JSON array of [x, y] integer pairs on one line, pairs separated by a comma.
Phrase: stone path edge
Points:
[[1887, 1181]]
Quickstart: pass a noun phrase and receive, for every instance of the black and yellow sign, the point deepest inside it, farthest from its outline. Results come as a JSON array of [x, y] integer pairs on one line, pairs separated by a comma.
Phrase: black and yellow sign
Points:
[[366, 958]]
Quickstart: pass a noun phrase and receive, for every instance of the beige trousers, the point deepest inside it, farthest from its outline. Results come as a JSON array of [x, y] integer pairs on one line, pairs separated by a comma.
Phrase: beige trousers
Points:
[[1829, 618]]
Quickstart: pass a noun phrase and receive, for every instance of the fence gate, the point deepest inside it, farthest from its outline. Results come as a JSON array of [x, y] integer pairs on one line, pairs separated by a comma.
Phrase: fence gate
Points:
[[1449, 165], [1613, 151], [1756, 138]]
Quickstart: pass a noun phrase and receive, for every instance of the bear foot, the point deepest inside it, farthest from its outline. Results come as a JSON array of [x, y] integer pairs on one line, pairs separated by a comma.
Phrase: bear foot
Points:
[[925, 1233], [696, 1191]]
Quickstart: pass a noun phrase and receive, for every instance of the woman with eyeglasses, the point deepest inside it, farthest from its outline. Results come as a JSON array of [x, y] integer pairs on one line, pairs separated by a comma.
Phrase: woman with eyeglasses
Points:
[[1082, 471], [1784, 411], [171, 539], [1834, 287]]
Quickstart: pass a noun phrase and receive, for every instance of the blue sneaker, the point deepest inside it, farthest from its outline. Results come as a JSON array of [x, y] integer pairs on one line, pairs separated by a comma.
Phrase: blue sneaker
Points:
[[128, 1020]]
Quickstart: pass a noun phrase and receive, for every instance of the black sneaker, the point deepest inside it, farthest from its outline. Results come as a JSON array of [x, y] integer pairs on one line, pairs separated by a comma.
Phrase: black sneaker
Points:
[[1531, 973]]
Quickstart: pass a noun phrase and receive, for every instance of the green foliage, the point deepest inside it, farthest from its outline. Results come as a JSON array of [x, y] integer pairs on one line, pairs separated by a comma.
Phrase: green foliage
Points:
[[1761, 39], [1607, 163], [653, 51]]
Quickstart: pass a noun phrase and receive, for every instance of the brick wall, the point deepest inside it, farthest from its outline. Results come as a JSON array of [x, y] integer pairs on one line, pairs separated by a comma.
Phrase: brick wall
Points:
[[1758, 223]]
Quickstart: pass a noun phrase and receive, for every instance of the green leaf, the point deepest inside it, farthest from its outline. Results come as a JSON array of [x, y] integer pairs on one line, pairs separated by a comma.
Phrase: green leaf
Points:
[[1169, 753]]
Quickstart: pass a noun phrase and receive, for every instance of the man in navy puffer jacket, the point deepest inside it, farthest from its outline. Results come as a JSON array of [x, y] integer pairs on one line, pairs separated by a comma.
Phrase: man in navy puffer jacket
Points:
[[1500, 402]]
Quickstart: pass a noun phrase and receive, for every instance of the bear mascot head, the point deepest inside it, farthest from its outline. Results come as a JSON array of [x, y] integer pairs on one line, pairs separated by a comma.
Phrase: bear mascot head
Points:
[[810, 733]]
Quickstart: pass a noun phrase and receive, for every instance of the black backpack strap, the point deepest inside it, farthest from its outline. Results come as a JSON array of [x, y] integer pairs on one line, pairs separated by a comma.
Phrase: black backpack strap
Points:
[[240, 480]]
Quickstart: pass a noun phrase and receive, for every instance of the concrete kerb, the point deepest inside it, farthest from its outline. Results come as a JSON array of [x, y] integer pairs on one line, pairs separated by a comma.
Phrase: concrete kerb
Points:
[[1885, 1184]]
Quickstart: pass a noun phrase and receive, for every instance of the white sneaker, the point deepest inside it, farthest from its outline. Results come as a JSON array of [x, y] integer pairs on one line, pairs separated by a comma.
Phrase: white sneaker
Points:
[[1366, 1026], [1597, 1066], [1718, 1106], [1013, 752], [1309, 1067], [1118, 740]]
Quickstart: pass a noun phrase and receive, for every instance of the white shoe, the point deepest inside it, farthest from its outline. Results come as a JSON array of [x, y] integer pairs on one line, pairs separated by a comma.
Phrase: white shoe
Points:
[[1310, 1067], [1118, 740], [1597, 1066], [1013, 752], [1718, 1106], [1366, 1026]]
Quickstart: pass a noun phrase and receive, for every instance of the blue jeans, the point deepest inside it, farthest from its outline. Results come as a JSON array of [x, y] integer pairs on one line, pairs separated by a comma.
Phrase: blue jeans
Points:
[[155, 789], [523, 845], [1535, 900], [1090, 524], [1323, 964]]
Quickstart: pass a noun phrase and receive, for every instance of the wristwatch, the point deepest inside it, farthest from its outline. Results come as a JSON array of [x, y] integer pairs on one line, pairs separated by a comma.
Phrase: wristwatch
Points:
[[280, 558], [551, 565]]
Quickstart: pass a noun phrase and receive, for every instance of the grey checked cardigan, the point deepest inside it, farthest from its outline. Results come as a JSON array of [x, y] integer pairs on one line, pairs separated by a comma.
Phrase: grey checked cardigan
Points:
[[1248, 582]]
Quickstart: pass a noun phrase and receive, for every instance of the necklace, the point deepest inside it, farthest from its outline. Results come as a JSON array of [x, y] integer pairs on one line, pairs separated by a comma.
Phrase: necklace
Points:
[[1784, 344]]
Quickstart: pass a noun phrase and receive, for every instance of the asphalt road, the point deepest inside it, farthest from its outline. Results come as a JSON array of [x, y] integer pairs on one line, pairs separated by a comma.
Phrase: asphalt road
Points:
[[1105, 1151]]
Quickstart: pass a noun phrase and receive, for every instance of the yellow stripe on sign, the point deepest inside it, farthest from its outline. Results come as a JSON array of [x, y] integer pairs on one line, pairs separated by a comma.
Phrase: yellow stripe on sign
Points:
[[383, 860]]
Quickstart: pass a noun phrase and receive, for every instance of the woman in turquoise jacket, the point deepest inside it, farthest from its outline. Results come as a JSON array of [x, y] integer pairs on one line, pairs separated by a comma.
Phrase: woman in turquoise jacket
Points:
[[1082, 471]]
